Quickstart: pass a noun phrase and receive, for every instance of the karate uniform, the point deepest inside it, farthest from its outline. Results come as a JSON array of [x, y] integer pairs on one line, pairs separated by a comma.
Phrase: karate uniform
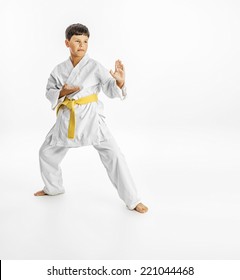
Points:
[[90, 127]]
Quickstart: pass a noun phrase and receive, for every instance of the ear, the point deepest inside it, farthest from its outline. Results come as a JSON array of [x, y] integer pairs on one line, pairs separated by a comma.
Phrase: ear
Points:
[[67, 42]]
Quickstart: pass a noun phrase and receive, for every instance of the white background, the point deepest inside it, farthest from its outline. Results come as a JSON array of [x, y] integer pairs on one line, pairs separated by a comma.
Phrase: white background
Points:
[[178, 128]]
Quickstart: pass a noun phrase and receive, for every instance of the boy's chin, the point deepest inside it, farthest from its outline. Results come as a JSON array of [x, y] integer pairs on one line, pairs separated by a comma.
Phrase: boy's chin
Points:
[[80, 54]]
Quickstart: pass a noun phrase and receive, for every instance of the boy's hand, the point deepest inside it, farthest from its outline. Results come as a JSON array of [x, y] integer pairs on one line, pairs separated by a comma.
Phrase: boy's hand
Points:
[[66, 89], [119, 74]]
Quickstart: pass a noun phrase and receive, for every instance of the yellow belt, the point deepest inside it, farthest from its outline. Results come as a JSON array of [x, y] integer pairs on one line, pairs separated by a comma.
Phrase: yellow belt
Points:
[[70, 104]]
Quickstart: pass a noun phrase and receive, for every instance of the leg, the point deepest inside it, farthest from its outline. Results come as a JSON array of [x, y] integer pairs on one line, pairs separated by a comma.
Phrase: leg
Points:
[[118, 172], [50, 158]]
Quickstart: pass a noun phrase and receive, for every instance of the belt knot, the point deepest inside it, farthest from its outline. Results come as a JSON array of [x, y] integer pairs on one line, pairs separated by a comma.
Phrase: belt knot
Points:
[[70, 104]]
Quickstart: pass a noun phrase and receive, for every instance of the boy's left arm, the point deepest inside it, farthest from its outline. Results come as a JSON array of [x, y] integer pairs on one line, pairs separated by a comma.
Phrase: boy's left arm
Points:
[[113, 83], [119, 73]]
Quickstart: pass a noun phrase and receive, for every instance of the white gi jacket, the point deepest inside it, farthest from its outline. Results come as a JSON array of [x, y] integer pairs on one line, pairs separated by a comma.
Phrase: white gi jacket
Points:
[[91, 77]]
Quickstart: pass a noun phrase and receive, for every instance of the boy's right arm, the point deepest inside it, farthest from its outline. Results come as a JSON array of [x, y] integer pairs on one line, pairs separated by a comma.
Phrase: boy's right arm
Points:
[[66, 90], [56, 93]]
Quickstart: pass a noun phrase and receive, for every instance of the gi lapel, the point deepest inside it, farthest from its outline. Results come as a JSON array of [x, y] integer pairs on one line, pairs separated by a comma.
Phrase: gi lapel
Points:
[[77, 69]]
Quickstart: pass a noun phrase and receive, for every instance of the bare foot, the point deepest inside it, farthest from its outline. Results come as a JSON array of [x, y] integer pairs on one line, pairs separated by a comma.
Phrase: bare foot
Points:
[[40, 193], [141, 208]]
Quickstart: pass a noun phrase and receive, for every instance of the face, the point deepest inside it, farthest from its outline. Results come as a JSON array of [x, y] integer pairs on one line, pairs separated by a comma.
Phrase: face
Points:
[[77, 45]]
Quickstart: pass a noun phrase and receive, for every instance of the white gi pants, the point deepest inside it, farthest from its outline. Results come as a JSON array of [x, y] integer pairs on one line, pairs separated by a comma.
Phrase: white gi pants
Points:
[[112, 158]]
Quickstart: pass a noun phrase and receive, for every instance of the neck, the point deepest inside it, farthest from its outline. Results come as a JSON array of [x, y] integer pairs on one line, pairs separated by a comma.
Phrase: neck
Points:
[[75, 59]]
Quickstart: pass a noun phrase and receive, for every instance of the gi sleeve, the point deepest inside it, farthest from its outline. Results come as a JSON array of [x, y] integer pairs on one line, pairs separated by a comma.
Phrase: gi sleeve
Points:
[[53, 91], [109, 85]]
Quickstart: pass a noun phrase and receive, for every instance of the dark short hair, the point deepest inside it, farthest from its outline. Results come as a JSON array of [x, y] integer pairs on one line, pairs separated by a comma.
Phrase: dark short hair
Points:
[[76, 29]]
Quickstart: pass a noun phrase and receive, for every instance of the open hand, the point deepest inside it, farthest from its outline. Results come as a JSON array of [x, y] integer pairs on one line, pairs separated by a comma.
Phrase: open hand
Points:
[[119, 73], [67, 89]]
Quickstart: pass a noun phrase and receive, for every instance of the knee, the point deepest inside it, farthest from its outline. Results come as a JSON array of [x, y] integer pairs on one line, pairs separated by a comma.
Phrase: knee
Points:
[[45, 148], [115, 154], [42, 152], [111, 152]]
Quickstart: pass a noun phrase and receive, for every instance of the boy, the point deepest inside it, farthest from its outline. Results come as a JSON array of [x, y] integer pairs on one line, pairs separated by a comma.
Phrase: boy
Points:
[[72, 89]]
